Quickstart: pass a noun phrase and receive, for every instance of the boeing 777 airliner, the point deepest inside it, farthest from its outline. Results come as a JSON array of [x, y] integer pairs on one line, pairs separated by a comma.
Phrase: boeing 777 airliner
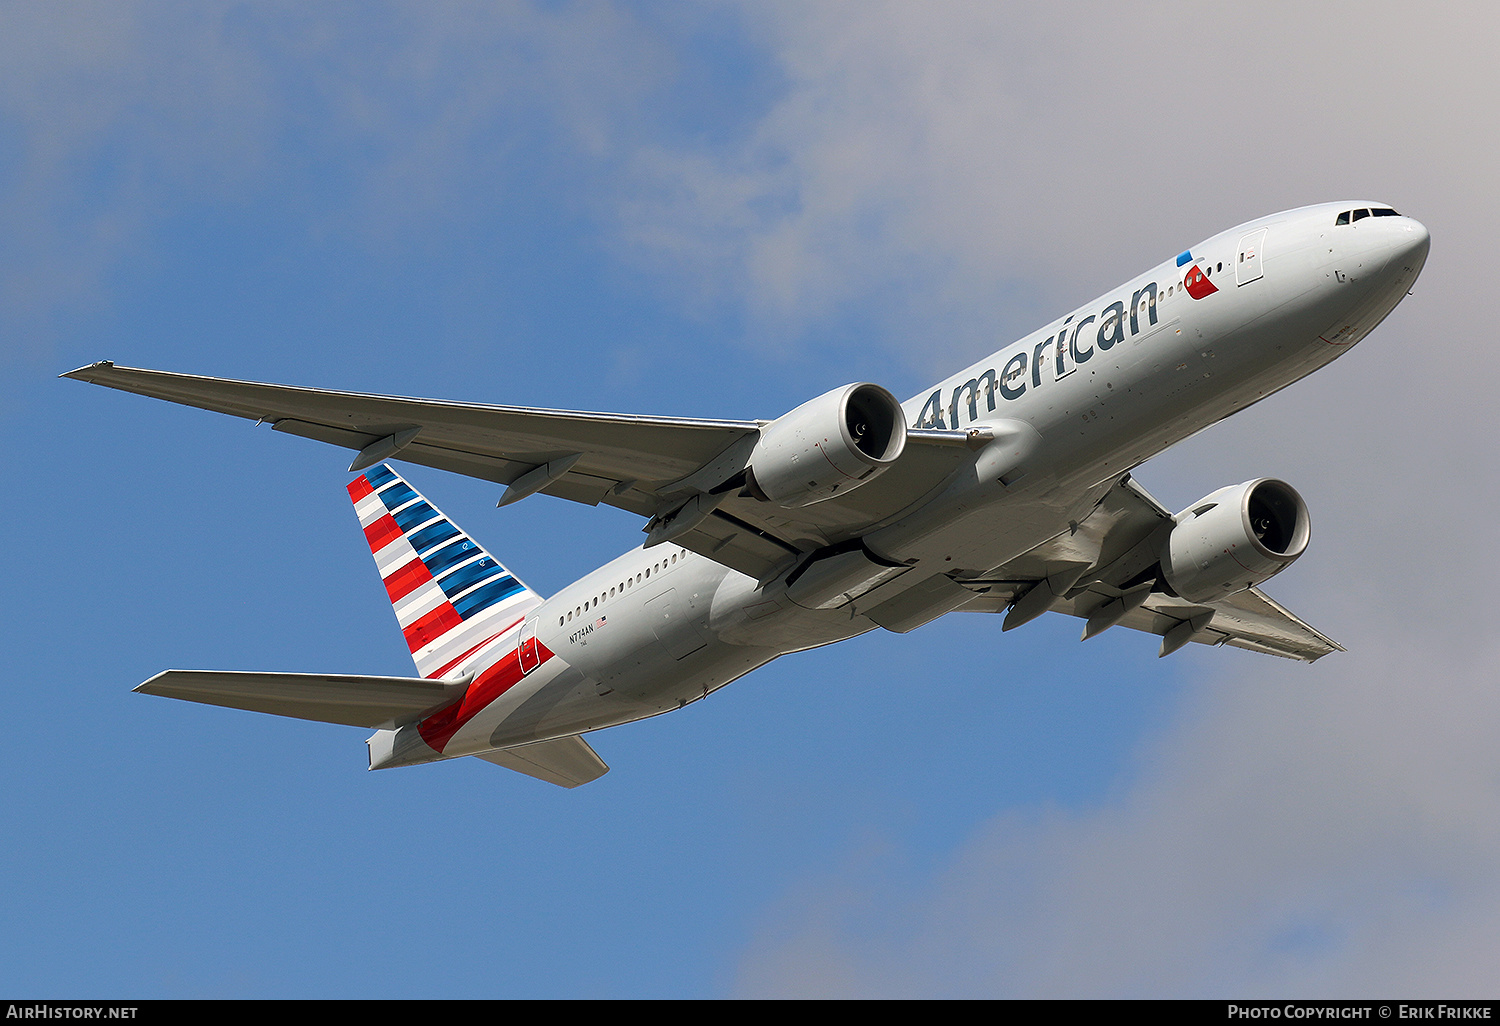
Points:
[[1006, 489]]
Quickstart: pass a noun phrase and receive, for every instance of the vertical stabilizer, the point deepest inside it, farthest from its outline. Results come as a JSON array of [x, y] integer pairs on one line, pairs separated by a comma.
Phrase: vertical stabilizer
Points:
[[450, 596]]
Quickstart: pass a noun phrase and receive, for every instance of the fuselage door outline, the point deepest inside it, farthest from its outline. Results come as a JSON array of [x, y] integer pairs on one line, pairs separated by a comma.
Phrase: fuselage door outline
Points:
[[526, 651], [1247, 260]]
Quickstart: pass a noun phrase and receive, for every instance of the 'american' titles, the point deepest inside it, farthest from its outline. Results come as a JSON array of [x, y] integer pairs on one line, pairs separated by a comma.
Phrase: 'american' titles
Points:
[[1058, 355]]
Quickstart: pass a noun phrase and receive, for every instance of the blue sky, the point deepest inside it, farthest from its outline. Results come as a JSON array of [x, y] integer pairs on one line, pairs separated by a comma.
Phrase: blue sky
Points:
[[722, 210]]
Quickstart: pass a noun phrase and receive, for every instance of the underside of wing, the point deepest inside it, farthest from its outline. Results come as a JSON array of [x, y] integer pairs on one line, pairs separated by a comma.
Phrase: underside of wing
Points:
[[1250, 620], [1105, 572], [380, 702], [647, 465]]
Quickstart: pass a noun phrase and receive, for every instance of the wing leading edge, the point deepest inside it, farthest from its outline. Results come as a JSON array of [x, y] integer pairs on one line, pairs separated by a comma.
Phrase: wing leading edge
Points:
[[650, 466]]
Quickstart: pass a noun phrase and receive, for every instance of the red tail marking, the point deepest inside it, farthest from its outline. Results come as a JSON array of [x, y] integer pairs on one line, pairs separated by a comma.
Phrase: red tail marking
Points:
[[438, 729], [435, 674], [432, 626], [406, 579], [359, 488], [382, 532]]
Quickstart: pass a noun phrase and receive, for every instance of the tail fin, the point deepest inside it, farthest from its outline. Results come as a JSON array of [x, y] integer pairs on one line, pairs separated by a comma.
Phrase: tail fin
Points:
[[449, 594]]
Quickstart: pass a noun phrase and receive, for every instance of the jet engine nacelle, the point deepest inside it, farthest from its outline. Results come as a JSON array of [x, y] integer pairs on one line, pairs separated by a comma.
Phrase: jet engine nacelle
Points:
[[828, 446], [1234, 539]]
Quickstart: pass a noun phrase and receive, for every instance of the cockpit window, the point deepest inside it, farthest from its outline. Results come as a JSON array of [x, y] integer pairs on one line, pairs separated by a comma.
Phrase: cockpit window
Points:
[[1350, 216]]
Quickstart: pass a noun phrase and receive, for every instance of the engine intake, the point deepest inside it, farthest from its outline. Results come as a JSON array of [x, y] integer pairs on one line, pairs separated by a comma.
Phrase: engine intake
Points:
[[1234, 539], [828, 446]]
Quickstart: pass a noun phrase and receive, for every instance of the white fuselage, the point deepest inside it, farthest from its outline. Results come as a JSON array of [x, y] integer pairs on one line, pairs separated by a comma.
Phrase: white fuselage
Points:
[[1091, 395]]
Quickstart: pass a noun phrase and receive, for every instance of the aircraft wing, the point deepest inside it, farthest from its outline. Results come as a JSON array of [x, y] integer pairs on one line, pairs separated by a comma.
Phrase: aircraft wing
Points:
[[645, 465], [1118, 544]]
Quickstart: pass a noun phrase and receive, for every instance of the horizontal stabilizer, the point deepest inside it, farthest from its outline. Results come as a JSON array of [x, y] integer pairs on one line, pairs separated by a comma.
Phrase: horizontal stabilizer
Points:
[[381, 702], [564, 761]]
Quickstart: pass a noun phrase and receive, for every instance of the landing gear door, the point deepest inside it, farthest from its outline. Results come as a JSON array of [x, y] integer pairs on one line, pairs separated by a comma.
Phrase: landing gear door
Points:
[[1247, 260], [526, 652]]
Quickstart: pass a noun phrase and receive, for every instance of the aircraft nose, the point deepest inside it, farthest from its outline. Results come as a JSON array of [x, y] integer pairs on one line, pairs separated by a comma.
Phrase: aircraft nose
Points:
[[1409, 247], [1402, 251], [1396, 251]]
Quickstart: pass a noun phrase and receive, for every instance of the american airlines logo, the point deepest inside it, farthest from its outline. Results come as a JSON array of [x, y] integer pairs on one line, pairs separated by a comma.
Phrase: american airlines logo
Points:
[[1055, 357], [1195, 281], [1197, 284]]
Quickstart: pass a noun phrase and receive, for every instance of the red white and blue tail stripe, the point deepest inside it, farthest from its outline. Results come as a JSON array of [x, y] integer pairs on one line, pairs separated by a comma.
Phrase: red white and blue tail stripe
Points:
[[451, 597]]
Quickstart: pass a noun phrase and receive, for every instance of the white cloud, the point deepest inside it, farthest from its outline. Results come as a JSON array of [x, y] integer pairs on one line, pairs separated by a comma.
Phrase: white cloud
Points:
[[990, 163], [1296, 834], [1325, 830], [392, 121]]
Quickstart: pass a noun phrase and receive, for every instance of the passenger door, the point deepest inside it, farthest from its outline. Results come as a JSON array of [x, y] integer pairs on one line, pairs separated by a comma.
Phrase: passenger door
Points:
[[526, 650], [1247, 262]]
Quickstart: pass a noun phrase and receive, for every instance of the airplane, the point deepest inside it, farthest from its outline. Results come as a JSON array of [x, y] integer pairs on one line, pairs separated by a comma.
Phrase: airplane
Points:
[[1007, 488]]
